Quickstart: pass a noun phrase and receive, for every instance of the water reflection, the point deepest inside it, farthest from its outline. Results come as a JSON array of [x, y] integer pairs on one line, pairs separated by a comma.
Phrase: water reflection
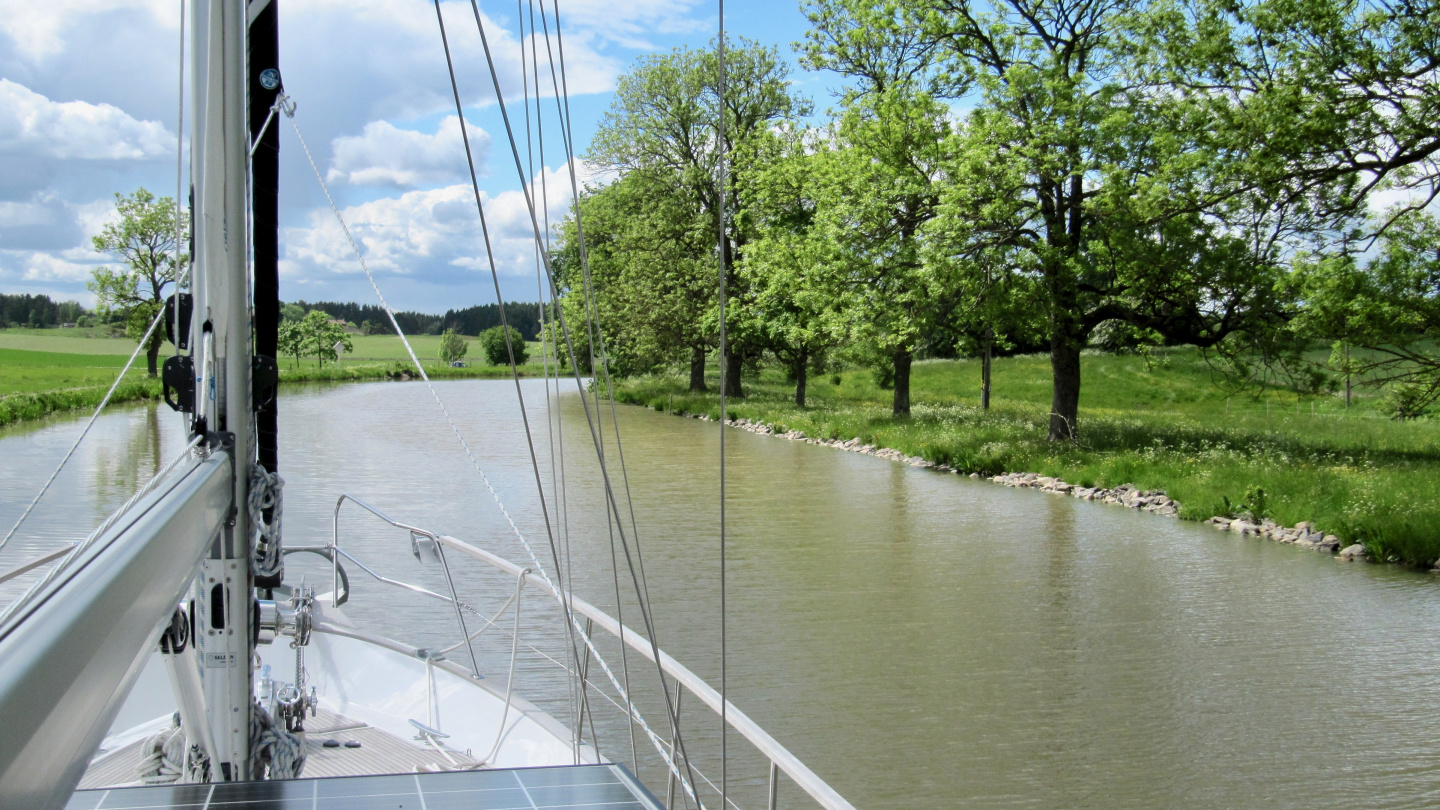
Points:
[[920, 640]]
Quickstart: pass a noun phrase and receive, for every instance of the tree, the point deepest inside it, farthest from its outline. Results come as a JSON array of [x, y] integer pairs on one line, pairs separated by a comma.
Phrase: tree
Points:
[[1327, 101], [497, 352], [320, 335], [882, 180], [652, 274], [790, 306], [1387, 306], [291, 339], [144, 239], [665, 123], [452, 346], [292, 312], [1113, 191]]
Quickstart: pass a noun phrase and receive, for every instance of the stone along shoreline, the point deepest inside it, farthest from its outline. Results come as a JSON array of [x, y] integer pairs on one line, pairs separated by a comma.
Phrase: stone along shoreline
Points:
[[1303, 534]]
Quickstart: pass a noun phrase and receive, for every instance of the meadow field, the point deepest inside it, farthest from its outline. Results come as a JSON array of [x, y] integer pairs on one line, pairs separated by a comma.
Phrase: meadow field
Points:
[[47, 371]]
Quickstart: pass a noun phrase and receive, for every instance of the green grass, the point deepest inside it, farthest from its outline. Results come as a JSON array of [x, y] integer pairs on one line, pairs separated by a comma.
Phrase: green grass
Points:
[[43, 372], [1352, 472], [89, 341], [29, 371]]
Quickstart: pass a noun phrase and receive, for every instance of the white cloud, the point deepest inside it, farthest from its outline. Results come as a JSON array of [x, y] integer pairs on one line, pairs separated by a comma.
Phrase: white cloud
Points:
[[385, 155], [32, 124], [627, 24], [45, 246], [37, 29], [74, 266], [429, 235], [29, 214], [88, 98]]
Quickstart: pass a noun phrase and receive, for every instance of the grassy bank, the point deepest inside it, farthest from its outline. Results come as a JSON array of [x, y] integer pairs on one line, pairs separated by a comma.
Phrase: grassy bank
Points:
[[52, 371], [1161, 425]]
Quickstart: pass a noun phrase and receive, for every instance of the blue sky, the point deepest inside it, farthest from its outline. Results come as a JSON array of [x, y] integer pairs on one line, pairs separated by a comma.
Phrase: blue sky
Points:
[[88, 108]]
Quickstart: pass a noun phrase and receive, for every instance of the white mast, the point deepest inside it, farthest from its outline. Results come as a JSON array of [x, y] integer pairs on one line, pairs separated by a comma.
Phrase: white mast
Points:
[[222, 324]]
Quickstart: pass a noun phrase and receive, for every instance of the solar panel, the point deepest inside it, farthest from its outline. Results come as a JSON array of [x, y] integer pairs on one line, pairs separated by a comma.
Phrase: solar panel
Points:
[[575, 787]]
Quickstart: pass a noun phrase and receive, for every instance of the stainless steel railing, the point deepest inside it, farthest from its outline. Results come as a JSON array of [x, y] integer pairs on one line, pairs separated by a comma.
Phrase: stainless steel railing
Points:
[[430, 545]]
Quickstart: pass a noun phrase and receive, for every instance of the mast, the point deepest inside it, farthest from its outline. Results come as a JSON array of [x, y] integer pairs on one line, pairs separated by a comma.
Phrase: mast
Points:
[[223, 598], [264, 86]]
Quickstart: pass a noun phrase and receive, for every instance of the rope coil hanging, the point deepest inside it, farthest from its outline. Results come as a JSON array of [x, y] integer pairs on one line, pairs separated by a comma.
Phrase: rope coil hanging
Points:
[[166, 758], [266, 493]]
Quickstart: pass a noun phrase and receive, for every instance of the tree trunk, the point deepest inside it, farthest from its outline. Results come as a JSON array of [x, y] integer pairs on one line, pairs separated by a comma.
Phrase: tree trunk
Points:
[[802, 365], [733, 363], [152, 355], [903, 358], [697, 370], [1065, 377], [985, 373]]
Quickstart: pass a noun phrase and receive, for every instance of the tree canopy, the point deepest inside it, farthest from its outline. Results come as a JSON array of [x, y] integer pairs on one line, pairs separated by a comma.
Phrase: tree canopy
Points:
[[143, 237], [1023, 172]]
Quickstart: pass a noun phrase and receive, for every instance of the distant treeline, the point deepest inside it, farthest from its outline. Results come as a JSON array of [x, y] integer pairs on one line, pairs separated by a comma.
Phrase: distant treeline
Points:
[[469, 321], [37, 311], [474, 320]]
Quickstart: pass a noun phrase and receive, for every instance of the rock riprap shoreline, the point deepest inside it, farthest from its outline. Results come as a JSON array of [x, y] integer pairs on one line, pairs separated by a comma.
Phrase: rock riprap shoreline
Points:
[[1302, 534]]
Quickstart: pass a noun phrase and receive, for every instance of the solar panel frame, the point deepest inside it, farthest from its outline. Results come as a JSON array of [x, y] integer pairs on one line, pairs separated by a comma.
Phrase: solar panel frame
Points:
[[574, 787]]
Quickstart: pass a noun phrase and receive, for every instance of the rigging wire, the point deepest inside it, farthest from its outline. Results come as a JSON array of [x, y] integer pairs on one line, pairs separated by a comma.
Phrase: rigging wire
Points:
[[560, 595], [179, 178], [180, 278], [76, 549], [500, 302], [724, 367], [592, 333], [568, 139], [595, 436], [577, 696]]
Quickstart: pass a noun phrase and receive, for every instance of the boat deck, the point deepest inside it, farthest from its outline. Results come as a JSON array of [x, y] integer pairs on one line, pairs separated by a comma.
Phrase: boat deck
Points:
[[574, 787], [379, 752]]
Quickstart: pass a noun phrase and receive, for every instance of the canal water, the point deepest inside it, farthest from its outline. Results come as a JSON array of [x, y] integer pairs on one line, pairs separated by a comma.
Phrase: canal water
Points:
[[918, 639]]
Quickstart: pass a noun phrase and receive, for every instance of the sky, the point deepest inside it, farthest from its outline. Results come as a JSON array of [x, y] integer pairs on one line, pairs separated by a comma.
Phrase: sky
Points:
[[88, 108]]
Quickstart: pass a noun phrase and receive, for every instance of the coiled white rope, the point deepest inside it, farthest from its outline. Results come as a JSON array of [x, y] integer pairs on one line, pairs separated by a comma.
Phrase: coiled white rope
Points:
[[266, 492], [275, 753], [165, 758]]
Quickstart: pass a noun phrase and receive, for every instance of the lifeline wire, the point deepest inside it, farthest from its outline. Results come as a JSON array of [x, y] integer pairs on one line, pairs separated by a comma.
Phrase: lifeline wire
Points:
[[540, 569], [724, 701]]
